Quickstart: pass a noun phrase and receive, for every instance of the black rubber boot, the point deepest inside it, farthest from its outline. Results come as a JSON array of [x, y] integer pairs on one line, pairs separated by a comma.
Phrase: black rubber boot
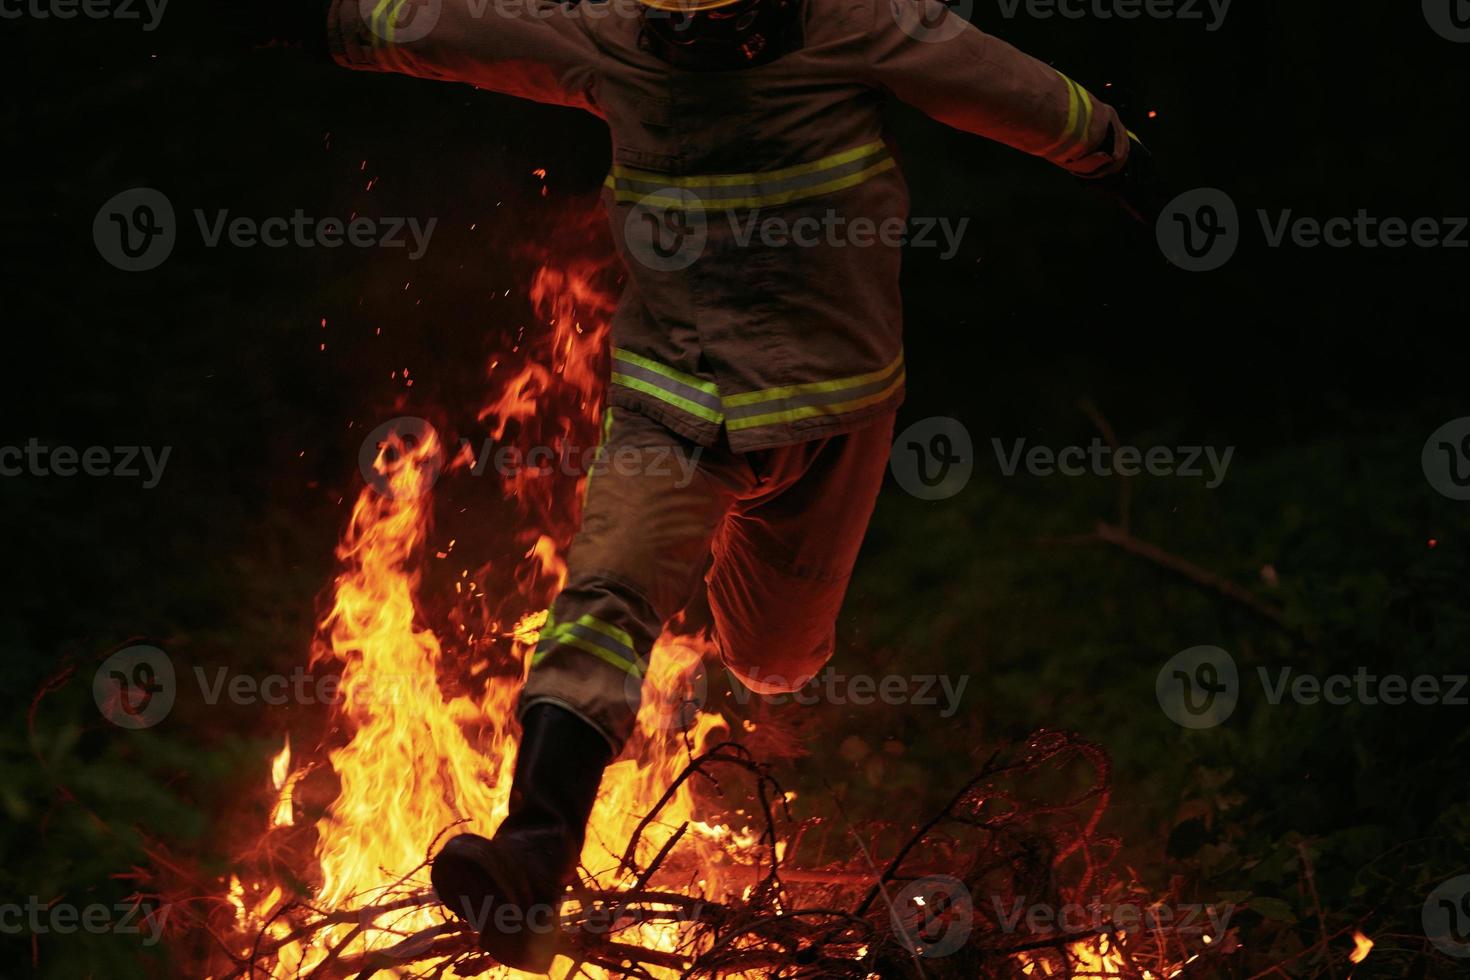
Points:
[[509, 888]]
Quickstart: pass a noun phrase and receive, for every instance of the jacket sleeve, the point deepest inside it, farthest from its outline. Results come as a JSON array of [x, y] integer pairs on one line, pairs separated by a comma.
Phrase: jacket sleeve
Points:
[[923, 54], [533, 49]]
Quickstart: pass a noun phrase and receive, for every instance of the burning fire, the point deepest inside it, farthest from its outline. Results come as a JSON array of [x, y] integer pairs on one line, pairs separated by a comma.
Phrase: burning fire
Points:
[[422, 739], [425, 757]]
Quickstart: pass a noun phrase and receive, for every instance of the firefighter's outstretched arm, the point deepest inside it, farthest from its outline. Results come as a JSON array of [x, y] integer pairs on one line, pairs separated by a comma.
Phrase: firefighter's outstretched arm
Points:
[[927, 56], [534, 49]]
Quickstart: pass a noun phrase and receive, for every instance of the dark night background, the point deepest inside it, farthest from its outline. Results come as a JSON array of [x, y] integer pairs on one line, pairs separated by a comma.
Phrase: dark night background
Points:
[[1326, 369]]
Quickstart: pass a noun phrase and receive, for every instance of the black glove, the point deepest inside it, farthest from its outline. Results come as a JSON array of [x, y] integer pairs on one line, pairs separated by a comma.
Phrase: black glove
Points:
[[1136, 186]]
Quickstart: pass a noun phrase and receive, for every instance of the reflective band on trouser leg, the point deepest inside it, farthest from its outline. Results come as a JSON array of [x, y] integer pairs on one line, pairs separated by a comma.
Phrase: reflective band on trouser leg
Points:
[[588, 633], [691, 395], [636, 560], [793, 402], [770, 188], [592, 655]]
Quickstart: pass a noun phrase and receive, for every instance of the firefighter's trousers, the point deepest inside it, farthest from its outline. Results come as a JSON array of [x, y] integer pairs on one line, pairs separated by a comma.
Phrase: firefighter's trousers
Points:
[[771, 536]]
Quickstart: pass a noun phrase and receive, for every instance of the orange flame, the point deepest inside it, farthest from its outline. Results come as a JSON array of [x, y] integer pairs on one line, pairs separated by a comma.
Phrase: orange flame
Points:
[[423, 757], [1362, 946]]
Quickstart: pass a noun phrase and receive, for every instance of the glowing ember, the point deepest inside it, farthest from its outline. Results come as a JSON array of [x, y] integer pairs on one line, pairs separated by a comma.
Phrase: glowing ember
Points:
[[1362, 946]]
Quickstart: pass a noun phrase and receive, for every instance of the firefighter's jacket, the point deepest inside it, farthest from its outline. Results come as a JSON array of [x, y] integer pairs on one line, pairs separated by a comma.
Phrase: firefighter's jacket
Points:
[[723, 322]]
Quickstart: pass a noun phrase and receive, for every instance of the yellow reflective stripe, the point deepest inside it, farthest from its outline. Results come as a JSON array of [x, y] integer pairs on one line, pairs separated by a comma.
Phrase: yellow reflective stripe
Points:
[[814, 387], [563, 630], [564, 634], [1073, 107], [810, 411], [607, 630], [596, 651], [648, 363], [750, 190], [1079, 118], [757, 201], [381, 26], [607, 420], [1086, 126], [678, 401], [727, 180]]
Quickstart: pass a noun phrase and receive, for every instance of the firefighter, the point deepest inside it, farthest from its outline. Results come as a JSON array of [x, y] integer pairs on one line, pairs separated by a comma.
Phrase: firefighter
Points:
[[778, 367]]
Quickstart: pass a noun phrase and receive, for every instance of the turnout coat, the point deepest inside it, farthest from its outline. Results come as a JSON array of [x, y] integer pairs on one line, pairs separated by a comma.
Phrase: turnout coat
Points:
[[776, 338]]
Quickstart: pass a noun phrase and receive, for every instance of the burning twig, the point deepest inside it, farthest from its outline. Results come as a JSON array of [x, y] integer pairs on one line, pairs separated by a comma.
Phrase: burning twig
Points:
[[995, 838]]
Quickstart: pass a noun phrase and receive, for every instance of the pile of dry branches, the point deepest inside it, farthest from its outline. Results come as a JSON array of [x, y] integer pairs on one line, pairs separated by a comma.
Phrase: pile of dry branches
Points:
[[944, 903]]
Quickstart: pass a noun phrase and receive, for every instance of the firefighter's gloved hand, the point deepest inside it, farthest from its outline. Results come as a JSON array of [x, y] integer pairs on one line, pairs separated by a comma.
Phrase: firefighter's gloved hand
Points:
[[1136, 186]]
